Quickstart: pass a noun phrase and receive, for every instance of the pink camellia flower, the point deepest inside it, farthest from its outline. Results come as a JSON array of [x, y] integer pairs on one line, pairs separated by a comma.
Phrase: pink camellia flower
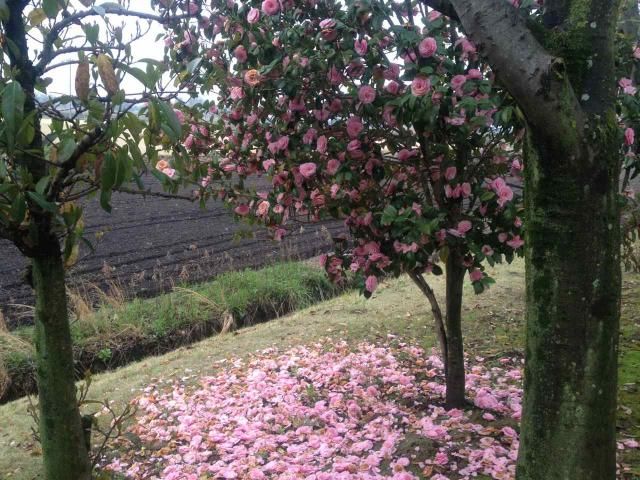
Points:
[[242, 210], [505, 195], [308, 169], [371, 283], [283, 142], [463, 227], [354, 126], [428, 47], [332, 166], [627, 86], [458, 81], [474, 74], [253, 16], [263, 208], [366, 94], [487, 251], [629, 136], [270, 7], [465, 189], [240, 53], [450, 173], [321, 144], [335, 76], [420, 86], [360, 46], [327, 23], [476, 275], [267, 164], [236, 93], [516, 242], [392, 87], [169, 172]]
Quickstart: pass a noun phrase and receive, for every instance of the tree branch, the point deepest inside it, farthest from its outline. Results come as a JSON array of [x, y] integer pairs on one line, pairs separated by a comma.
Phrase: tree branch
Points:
[[444, 7], [535, 78], [47, 52]]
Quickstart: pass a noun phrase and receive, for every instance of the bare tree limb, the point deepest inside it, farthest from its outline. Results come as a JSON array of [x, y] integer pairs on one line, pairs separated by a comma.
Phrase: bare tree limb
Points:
[[48, 52]]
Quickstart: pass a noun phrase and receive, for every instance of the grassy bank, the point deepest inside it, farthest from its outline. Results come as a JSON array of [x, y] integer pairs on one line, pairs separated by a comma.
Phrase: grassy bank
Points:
[[492, 323], [120, 332]]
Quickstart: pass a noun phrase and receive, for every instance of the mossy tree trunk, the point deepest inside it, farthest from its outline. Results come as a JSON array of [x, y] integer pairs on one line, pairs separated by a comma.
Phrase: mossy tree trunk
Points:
[[573, 307], [63, 444], [560, 70], [61, 435]]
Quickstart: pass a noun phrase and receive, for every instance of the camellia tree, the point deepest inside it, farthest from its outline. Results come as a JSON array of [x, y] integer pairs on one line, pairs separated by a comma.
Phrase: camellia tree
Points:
[[364, 113], [317, 95], [90, 145]]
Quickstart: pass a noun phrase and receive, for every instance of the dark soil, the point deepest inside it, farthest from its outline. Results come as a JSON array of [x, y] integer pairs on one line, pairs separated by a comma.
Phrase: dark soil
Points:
[[149, 244]]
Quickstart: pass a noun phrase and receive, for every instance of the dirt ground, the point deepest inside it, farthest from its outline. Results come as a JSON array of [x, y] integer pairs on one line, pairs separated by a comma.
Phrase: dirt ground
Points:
[[147, 245]]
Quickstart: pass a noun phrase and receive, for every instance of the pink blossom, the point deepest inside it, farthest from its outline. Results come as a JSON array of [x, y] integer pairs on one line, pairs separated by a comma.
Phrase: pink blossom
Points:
[[487, 251], [270, 7], [242, 210], [236, 93], [450, 173], [366, 94], [332, 166], [420, 86], [308, 170], [464, 226], [267, 164], [354, 126], [474, 74], [458, 81], [371, 283], [240, 53], [629, 136], [321, 144], [516, 242], [427, 47], [392, 87], [476, 275], [627, 86], [253, 16], [360, 46]]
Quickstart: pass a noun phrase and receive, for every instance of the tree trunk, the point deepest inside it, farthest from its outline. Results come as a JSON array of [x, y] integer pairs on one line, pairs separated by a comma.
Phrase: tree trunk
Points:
[[64, 451], [455, 350], [438, 318], [573, 283]]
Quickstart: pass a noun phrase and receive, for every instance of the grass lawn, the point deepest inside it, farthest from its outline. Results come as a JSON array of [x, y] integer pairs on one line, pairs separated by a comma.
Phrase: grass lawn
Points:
[[493, 327]]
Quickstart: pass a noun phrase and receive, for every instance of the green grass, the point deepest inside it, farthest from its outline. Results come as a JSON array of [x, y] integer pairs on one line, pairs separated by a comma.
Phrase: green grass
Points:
[[233, 299], [493, 325]]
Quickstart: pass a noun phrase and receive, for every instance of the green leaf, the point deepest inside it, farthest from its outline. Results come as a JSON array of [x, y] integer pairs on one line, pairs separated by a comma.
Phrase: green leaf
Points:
[[51, 8], [109, 175], [4, 11], [105, 198], [42, 202], [18, 208], [42, 185], [66, 147], [13, 98], [388, 215], [172, 127]]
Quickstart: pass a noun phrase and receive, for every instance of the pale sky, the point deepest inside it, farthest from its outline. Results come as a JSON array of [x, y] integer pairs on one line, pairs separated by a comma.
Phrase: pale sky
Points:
[[146, 47]]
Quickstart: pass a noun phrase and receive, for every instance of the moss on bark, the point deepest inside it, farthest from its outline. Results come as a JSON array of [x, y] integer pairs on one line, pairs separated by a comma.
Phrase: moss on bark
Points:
[[63, 443]]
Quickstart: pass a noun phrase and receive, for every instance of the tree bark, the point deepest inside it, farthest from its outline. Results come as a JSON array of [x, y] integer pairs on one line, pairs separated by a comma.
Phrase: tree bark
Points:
[[455, 380], [64, 451], [573, 282], [438, 318]]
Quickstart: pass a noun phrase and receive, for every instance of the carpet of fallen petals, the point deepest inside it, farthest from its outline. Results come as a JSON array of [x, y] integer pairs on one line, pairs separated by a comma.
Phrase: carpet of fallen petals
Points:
[[330, 411]]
